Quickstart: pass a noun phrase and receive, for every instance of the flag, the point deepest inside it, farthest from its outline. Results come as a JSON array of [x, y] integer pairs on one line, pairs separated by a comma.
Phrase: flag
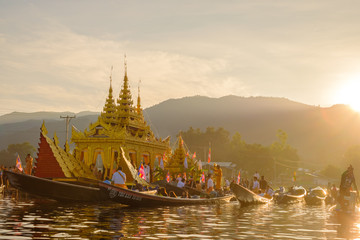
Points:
[[194, 155], [142, 172], [294, 178], [168, 177], [185, 163], [209, 156], [202, 179], [18, 163], [161, 164], [238, 180]]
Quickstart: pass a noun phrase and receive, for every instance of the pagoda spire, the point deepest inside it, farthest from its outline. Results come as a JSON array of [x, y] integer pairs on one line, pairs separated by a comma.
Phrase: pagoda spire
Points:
[[125, 103], [138, 107], [108, 113]]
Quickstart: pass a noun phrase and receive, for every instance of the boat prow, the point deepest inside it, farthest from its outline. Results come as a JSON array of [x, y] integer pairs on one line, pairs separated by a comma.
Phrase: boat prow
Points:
[[247, 197], [70, 191]]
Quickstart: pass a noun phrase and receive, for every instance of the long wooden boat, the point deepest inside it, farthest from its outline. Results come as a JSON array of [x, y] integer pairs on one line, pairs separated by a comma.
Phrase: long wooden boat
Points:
[[316, 196], [295, 194], [140, 199], [247, 197], [67, 190]]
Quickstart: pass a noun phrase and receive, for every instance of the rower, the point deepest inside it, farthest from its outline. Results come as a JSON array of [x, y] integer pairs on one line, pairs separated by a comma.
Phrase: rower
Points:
[[119, 178]]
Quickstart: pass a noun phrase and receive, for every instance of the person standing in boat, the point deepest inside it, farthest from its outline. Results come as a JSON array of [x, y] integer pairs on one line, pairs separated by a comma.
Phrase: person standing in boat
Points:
[[119, 178], [263, 184], [29, 164], [257, 175], [255, 186], [218, 175], [347, 180], [210, 185]]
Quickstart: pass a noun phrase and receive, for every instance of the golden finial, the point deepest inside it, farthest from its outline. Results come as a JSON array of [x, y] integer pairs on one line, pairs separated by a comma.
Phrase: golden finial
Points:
[[111, 75], [125, 64], [43, 128], [56, 139]]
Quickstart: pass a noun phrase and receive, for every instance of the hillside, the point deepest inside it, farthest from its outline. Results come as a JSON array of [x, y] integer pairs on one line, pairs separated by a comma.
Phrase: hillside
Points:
[[320, 134]]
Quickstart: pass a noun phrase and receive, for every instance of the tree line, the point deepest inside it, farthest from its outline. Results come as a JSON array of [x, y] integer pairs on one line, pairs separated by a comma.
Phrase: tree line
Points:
[[8, 156], [271, 161]]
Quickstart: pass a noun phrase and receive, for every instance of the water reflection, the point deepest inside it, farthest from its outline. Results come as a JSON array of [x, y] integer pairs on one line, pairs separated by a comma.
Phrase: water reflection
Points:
[[28, 218]]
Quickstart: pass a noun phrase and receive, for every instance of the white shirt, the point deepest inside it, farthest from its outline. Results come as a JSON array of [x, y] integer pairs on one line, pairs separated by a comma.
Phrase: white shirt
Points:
[[270, 192], [181, 184], [119, 179], [256, 185], [210, 183], [257, 175]]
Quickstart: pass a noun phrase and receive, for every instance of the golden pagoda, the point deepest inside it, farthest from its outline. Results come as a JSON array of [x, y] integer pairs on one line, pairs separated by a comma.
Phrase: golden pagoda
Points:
[[176, 162], [119, 126]]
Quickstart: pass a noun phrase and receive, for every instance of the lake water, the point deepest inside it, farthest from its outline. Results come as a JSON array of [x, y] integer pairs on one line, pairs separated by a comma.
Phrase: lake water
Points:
[[28, 218]]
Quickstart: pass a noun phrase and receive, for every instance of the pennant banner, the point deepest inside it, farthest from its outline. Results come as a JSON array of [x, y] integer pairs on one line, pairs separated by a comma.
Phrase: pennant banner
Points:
[[209, 156], [18, 163], [202, 179], [168, 177], [142, 172]]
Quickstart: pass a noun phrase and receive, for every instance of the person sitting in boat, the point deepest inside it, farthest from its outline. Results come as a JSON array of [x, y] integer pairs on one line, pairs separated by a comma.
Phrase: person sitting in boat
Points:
[[138, 186], [210, 184], [255, 186], [198, 186], [347, 180], [119, 178], [107, 180], [181, 183], [179, 178], [269, 192], [173, 181]]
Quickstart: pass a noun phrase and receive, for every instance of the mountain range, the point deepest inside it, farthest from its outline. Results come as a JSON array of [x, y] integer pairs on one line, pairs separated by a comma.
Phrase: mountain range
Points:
[[321, 135]]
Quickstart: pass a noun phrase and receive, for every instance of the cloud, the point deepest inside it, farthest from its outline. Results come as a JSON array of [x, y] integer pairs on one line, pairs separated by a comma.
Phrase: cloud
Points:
[[53, 57], [70, 72]]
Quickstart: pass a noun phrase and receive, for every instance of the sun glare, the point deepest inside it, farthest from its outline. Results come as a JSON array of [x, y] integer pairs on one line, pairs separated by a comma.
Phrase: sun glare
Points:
[[349, 93]]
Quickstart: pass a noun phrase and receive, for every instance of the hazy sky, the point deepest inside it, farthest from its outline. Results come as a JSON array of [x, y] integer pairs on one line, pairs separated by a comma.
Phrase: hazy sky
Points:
[[57, 55]]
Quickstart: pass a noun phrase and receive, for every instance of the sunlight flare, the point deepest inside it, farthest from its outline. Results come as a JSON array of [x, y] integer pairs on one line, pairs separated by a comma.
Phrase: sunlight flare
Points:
[[349, 93]]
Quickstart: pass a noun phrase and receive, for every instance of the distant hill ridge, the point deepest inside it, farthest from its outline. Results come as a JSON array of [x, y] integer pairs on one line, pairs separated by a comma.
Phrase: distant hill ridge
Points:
[[319, 134]]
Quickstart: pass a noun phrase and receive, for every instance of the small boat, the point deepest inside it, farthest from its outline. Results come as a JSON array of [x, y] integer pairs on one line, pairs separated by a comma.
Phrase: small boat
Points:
[[140, 199], [349, 205], [295, 194], [316, 196], [247, 197], [64, 190]]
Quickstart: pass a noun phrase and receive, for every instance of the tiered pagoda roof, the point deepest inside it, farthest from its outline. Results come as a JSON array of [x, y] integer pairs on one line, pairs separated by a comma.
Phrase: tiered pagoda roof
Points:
[[121, 119], [54, 162]]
